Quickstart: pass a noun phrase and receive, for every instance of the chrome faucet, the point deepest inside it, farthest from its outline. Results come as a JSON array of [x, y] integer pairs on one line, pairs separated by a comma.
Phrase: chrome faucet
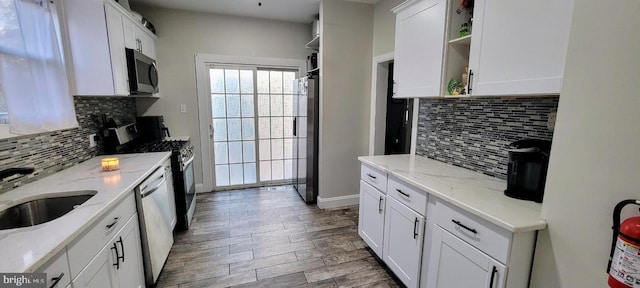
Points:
[[15, 171]]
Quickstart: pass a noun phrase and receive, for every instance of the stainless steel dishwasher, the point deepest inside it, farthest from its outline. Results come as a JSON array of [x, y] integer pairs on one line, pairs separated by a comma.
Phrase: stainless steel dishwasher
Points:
[[154, 214]]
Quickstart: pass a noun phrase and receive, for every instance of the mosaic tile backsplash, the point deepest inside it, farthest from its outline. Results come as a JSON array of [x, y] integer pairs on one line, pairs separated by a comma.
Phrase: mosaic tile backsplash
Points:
[[55, 151], [473, 132]]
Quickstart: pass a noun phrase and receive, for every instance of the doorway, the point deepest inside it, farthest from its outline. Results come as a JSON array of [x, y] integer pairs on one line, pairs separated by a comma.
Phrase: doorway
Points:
[[246, 109], [393, 124], [243, 99], [398, 121]]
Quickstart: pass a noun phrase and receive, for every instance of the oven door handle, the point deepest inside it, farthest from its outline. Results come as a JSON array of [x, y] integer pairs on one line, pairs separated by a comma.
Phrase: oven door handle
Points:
[[186, 163]]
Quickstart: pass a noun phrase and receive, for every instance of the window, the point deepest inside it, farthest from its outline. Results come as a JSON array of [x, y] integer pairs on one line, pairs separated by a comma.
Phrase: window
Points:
[[4, 110], [34, 92]]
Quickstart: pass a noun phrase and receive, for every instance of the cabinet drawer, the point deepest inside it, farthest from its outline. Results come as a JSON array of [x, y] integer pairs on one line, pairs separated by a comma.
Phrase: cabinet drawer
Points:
[[374, 177], [88, 245], [414, 198], [57, 268], [481, 234]]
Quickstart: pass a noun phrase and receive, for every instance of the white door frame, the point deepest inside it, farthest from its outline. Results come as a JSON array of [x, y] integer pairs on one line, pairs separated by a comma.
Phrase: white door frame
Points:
[[204, 99], [378, 114]]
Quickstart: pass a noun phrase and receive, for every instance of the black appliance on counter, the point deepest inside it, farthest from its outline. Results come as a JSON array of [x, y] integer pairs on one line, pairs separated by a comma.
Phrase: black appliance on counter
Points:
[[149, 134], [152, 128], [527, 169]]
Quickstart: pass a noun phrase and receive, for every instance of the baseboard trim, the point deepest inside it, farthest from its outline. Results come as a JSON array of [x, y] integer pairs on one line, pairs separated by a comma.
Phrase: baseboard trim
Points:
[[338, 202]]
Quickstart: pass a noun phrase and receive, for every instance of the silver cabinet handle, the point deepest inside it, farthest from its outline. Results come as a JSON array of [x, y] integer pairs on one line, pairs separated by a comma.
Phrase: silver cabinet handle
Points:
[[371, 176], [380, 205], [415, 228]]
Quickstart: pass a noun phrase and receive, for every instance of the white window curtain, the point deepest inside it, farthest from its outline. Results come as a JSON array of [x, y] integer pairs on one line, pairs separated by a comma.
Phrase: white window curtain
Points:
[[32, 71]]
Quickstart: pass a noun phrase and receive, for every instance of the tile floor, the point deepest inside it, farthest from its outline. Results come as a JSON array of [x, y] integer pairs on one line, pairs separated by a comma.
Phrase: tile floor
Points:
[[268, 237]]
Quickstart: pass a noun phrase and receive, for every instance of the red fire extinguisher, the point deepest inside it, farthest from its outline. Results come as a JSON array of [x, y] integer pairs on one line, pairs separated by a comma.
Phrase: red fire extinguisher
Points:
[[624, 260]]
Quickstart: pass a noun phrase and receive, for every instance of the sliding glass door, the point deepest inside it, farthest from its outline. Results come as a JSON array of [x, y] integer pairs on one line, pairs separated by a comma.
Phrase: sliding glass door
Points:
[[252, 121]]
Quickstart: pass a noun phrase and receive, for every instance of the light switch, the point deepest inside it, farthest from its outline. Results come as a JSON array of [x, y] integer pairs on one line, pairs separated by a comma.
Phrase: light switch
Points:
[[183, 108]]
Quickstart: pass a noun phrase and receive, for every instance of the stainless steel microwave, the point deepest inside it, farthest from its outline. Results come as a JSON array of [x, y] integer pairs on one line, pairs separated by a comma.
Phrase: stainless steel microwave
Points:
[[143, 73]]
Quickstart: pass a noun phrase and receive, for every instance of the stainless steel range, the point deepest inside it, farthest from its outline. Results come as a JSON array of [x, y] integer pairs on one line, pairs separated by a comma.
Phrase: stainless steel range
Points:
[[148, 135]]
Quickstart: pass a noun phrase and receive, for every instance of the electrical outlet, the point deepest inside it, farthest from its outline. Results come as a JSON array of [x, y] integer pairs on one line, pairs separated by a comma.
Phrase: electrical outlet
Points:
[[183, 108], [551, 121], [92, 140]]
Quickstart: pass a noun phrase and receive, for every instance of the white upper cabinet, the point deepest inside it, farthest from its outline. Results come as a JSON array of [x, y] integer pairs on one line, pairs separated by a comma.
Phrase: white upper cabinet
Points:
[[519, 47], [138, 38], [509, 47], [115, 31], [420, 27], [89, 47], [98, 32]]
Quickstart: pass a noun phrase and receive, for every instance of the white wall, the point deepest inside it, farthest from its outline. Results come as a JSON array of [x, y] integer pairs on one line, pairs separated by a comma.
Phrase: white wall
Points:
[[594, 160], [345, 76], [384, 26], [181, 34]]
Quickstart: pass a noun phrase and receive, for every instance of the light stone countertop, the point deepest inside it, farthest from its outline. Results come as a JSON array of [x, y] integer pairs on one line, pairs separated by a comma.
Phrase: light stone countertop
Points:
[[474, 192], [25, 249]]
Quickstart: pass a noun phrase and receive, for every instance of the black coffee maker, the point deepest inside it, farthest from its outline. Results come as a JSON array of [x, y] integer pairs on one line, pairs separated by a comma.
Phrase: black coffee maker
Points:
[[527, 169]]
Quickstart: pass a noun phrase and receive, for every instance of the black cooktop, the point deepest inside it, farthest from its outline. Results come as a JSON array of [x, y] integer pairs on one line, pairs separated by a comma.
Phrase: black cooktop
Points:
[[160, 146]]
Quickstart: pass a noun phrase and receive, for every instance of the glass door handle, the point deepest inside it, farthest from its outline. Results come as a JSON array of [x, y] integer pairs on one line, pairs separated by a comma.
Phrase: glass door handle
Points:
[[295, 122]]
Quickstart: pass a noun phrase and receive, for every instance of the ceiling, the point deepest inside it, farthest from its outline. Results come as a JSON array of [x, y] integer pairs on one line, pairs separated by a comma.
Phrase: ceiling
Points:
[[302, 11]]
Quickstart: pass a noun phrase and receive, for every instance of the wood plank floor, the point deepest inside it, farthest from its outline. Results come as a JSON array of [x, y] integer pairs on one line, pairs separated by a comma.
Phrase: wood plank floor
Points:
[[268, 237]]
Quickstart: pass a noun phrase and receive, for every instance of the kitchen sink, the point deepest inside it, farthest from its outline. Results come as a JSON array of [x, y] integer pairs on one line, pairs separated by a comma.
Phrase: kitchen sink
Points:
[[42, 210]]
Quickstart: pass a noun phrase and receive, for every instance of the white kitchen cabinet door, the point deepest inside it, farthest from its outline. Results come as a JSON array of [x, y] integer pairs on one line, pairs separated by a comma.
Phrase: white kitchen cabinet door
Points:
[[137, 38], [100, 273], [130, 273], [115, 32], [519, 47], [420, 29], [88, 47], [371, 219], [147, 43], [130, 40], [403, 235], [455, 263], [57, 270]]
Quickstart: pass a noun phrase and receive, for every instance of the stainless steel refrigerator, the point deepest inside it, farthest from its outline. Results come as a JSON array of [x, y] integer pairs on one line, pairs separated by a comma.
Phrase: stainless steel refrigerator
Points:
[[305, 127]]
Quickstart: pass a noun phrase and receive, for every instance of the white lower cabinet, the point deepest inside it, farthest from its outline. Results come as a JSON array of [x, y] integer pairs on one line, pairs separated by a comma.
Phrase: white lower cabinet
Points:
[[429, 242], [467, 251], [100, 272], [371, 225], [118, 264], [57, 270], [130, 273], [455, 263], [403, 235]]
